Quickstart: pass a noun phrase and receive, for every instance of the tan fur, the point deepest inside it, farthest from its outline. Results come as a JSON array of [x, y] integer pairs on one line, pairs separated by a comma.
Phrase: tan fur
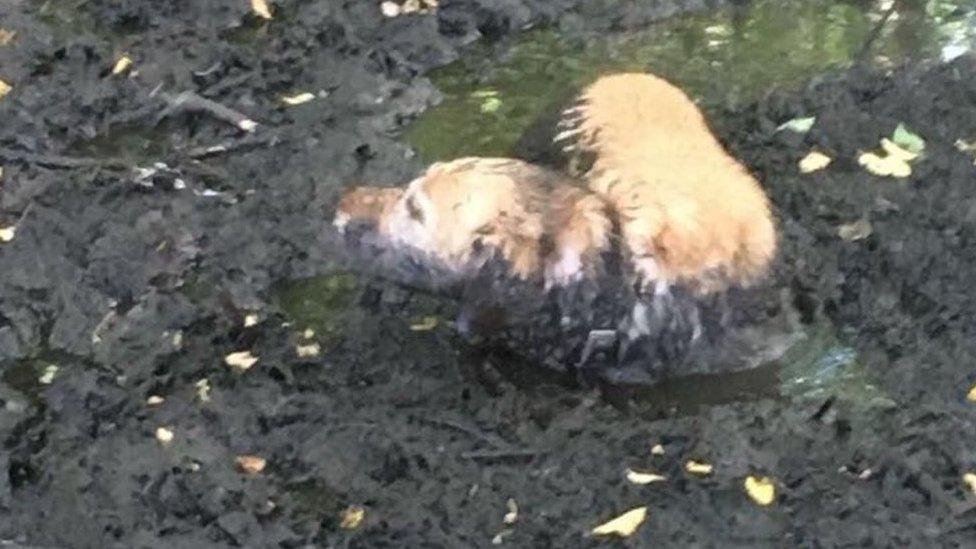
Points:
[[457, 208], [689, 212], [369, 204]]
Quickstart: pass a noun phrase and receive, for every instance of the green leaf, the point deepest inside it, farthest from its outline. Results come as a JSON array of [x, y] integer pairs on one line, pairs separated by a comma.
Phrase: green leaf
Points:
[[798, 125], [490, 105], [481, 94], [907, 140]]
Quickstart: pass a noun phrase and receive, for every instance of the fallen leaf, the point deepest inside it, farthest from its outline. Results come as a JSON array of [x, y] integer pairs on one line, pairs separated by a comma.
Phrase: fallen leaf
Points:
[[512, 515], [760, 489], [908, 140], [250, 319], [308, 333], [699, 468], [122, 65], [7, 233], [428, 323], [894, 150], [4, 88], [164, 435], [251, 465], [47, 377], [490, 105], [657, 450], [155, 400], [857, 230], [261, 9], [247, 125], [798, 125], [884, 165], [390, 9], [7, 36], [970, 480], [410, 6], [203, 390], [241, 360], [298, 99], [351, 517], [971, 395], [308, 351], [624, 525], [814, 161], [644, 478]]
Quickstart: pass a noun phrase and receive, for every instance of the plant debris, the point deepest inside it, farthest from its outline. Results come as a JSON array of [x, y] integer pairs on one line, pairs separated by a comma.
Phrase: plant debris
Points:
[[798, 125], [636, 477], [250, 464], [699, 468], [814, 161], [241, 360], [856, 230], [762, 490], [624, 526], [351, 517]]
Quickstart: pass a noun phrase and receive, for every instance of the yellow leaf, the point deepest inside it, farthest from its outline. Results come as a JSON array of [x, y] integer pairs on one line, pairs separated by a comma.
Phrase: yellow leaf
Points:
[[884, 165], [624, 525], [298, 99], [970, 480], [971, 396], [390, 9], [308, 351], [699, 468], [351, 517], [814, 161], [251, 465], [122, 65], [241, 360], [644, 478], [7, 36], [894, 150], [164, 435], [428, 323], [4, 88], [512, 515], [760, 489], [251, 319], [261, 9], [7, 233]]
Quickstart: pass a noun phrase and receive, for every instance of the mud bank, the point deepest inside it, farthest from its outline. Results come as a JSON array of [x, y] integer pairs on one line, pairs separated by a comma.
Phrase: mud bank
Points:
[[137, 284]]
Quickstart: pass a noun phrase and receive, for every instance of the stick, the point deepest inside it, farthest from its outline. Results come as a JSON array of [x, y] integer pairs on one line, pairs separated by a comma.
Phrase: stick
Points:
[[191, 102], [57, 161]]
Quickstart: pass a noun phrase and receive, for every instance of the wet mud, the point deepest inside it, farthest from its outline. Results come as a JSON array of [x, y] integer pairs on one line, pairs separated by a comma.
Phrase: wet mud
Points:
[[143, 256]]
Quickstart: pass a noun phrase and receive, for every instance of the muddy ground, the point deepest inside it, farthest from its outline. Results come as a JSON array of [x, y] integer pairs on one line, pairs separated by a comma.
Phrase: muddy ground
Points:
[[140, 288]]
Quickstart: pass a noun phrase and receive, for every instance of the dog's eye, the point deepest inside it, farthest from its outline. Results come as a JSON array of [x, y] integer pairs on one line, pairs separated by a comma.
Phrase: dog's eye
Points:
[[414, 210]]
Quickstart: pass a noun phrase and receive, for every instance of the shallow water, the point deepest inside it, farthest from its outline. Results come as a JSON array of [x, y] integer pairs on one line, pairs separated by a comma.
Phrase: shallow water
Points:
[[725, 58]]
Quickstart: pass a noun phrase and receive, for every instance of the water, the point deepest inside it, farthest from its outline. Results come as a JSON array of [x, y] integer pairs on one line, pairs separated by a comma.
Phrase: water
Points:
[[725, 58], [729, 57]]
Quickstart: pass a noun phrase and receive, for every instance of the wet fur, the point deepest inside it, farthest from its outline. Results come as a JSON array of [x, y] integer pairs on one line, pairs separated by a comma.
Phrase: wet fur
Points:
[[690, 214]]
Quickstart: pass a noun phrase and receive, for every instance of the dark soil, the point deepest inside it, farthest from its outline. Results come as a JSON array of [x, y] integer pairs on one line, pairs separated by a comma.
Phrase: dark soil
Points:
[[140, 288]]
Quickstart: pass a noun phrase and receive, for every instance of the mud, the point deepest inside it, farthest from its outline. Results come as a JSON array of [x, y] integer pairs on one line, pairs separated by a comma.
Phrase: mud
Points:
[[137, 284]]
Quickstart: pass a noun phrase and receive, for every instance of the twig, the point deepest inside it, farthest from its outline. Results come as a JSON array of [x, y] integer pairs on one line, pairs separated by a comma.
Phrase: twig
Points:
[[191, 102], [501, 454], [57, 161], [231, 146], [874, 34], [472, 431]]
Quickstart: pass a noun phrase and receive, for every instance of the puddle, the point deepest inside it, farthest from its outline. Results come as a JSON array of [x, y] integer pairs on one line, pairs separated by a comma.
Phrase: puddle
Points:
[[321, 304], [724, 58], [728, 57]]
